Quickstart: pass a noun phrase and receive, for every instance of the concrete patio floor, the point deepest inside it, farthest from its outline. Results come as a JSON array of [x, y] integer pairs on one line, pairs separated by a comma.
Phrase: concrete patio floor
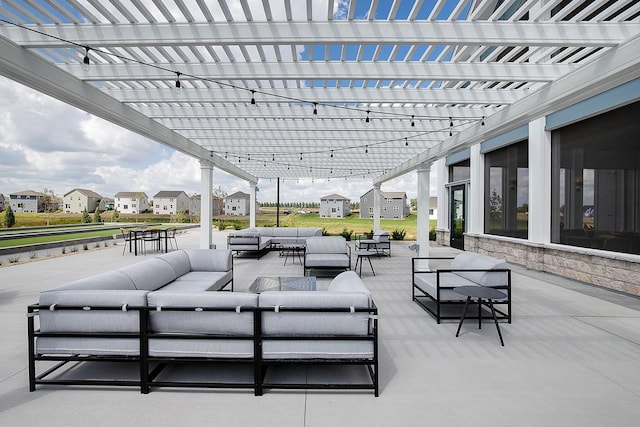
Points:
[[571, 358]]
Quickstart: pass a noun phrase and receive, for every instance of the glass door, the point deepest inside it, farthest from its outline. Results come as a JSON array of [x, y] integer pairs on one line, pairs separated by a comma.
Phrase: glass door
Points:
[[457, 220]]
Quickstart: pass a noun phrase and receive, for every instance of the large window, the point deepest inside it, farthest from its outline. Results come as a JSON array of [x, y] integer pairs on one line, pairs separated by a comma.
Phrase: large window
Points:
[[507, 191], [596, 182], [460, 171]]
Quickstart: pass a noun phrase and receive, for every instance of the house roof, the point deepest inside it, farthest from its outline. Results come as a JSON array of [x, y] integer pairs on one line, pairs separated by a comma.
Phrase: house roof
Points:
[[389, 194], [334, 197], [165, 194], [391, 84], [28, 193], [130, 194], [238, 195], [84, 192]]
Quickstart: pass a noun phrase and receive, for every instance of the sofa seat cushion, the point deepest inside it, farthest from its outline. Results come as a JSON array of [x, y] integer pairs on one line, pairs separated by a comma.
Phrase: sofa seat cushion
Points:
[[210, 322], [327, 245], [98, 321], [215, 348], [314, 323], [348, 281], [327, 260], [199, 281], [448, 281], [150, 274], [88, 346], [320, 349]]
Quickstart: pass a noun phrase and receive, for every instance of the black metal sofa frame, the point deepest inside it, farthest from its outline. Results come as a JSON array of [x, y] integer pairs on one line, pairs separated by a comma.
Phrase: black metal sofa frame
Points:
[[150, 367], [436, 306]]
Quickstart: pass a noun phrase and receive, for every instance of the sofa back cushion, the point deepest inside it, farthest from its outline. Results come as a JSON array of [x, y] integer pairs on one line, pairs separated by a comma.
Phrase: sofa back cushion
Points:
[[265, 231], [179, 261], [473, 260], [210, 259], [285, 232], [233, 322], [348, 281], [326, 245], [314, 323], [150, 274], [110, 280], [120, 319], [381, 236], [309, 231]]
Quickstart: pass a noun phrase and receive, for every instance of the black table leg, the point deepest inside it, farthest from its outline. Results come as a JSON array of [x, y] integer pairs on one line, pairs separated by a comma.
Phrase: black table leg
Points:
[[479, 313], [371, 265], [464, 313], [495, 319]]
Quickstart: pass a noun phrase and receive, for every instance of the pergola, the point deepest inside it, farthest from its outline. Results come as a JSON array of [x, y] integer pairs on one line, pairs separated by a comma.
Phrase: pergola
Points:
[[330, 89]]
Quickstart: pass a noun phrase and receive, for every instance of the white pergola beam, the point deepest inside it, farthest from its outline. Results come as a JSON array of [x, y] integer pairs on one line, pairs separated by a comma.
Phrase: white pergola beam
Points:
[[456, 33]]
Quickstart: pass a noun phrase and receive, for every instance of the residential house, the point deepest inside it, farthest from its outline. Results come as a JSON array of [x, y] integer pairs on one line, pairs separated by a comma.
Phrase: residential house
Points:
[[393, 205], [216, 202], [334, 206], [28, 201], [433, 207], [170, 202], [131, 202], [106, 204], [78, 199], [237, 203], [2, 202]]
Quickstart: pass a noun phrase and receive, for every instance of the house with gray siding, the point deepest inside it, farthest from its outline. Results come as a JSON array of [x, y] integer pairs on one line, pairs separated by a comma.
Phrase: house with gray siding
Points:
[[27, 201], [131, 202], [3, 201], [393, 205], [170, 202], [217, 205], [79, 199], [334, 206], [237, 203]]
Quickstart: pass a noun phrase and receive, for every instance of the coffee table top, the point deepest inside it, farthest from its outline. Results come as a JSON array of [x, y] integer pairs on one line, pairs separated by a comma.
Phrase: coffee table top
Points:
[[262, 284], [480, 292]]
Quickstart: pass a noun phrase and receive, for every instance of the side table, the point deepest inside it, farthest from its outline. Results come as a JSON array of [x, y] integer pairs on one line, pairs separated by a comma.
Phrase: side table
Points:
[[480, 293], [364, 254]]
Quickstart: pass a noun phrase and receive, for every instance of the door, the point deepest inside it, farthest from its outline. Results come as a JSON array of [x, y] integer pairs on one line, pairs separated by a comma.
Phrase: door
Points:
[[457, 220]]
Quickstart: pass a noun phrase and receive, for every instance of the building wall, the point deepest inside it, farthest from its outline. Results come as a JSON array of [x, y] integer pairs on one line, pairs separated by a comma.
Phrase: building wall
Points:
[[239, 207], [76, 202], [21, 204], [334, 208], [171, 205]]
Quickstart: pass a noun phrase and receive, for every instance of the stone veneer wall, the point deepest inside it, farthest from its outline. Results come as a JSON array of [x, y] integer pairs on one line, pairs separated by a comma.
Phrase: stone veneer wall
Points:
[[611, 270]]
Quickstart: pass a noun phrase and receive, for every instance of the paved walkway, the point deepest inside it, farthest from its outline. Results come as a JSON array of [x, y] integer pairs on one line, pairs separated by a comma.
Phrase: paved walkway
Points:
[[571, 358]]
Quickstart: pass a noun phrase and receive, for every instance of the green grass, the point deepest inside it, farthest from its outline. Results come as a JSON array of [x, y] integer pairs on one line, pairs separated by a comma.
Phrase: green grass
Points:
[[55, 238]]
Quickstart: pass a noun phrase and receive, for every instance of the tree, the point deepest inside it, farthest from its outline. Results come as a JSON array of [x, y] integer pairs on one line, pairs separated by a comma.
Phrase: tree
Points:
[[85, 216], [115, 215], [413, 203], [96, 216], [9, 218]]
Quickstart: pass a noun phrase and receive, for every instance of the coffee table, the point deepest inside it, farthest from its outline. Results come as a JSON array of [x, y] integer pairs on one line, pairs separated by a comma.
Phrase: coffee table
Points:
[[262, 284]]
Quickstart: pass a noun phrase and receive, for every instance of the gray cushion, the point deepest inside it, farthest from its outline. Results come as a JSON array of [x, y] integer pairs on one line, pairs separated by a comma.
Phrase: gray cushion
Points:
[[326, 245], [199, 281], [88, 346], [314, 323], [472, 260], [222, 348], [214, 322], [348, 281], [178, 260], [109, 280], [285, 232], [91, 320], [150, 274], [327, 260], [320, 349], [210, 259]]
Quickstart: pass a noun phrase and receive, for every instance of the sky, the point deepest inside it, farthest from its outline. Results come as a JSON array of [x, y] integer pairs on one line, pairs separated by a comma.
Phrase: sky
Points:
[[46, 144]]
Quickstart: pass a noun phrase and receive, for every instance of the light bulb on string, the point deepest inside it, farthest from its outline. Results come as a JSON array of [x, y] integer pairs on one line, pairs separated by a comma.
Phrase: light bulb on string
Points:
[[367, 120], [252, 103], [482, 124], [178, 83], [85, 60], [413, 123], [315, 110], [406, 142]]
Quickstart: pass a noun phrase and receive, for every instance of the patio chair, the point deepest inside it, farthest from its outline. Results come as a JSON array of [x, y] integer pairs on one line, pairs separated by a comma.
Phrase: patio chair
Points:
[[379, 243], [128, 238], [153, 237], [171, 237]]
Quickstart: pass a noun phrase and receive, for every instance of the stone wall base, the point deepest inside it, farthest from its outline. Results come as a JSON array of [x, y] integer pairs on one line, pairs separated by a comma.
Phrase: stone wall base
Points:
[[611, 270]]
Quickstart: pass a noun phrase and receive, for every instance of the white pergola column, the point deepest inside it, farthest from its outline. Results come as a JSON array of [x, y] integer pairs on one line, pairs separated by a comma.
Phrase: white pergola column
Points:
[[442, 214], [376, 207], [539, 222], [422, 238], [206, 204], [252, 203], [475, 222]]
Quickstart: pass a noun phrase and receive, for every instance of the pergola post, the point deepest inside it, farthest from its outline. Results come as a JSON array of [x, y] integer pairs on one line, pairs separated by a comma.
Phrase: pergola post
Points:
[[252, 204], [422, 238], [206, 204], [376, 207]]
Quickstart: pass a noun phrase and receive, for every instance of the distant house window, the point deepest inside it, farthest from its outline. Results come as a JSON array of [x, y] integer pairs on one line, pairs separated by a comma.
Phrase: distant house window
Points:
[[396, 208], [431, 211], [125, 206], [371, 210]]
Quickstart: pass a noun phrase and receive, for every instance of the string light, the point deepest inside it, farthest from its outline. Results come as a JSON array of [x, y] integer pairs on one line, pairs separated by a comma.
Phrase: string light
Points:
[[253, 104], [85, 61], [406, 142], [367, 121], [178, 84], [315, 109], [332, 154], [482, 124], [412, 122]]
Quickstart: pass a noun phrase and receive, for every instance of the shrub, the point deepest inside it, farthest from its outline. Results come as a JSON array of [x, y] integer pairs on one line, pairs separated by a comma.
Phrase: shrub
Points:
[[85, 217], [9, 219], [398, 234], [13, 259], [115, 216], [96, 216], [33, 255], [346, 234], [432, 234]]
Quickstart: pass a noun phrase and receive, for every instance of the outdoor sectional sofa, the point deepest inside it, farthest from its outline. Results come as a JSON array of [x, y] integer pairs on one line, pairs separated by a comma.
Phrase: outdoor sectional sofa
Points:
[[258, 240], [164, 313], [434, 288], [327, 253]]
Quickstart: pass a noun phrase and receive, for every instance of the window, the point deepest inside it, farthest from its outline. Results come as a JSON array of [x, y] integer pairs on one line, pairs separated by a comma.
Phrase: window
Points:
[[596, 182], [507, 191], [460, 171]]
